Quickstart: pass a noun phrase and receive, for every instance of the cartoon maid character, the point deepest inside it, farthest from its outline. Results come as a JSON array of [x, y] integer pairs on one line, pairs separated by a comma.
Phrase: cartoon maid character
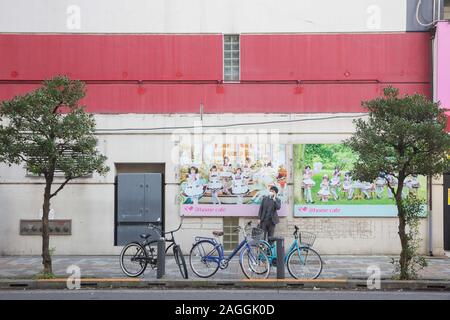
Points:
[[348, 186], [324, 191], [281, 180], [239, 187], [380, 182], [366, 189], [214, 184], [267, 174], [412, 184], [247, 169], [335, 183], [308, 183], [415, 184], [226, 169], [226, 174], [194, 188]]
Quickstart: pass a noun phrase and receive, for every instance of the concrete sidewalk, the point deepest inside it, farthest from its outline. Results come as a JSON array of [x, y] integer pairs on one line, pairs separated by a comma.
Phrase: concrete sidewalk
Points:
[[335, 267]]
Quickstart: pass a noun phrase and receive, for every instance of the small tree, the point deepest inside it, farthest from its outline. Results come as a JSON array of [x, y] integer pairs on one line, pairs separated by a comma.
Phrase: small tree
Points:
[[402, 136], [46, 130]]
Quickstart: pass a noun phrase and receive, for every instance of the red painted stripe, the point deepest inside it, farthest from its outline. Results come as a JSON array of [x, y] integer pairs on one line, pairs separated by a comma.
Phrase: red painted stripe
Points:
[[238, 98], [399, 57], [387, 57], [111, 57]]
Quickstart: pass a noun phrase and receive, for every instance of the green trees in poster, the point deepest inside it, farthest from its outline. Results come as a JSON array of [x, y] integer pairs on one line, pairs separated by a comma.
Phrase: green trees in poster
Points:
[[299, 164], [330, 155]]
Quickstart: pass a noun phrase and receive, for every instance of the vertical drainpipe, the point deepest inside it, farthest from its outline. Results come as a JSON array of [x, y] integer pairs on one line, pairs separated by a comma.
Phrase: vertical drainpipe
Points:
[[433, 63], [430, 215], [429, 178]]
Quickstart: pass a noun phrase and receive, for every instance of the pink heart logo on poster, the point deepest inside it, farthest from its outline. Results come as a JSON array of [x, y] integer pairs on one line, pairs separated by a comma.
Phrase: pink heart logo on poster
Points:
[[188, 208], [303, 209]]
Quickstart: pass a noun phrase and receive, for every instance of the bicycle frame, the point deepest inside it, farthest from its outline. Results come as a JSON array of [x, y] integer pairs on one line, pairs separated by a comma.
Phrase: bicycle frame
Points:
[[170, 240], [219, 247], [273, 250]]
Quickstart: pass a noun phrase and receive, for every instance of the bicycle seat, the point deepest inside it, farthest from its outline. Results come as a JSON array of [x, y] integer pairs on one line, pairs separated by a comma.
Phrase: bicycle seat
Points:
[[145, 235], [217, 233]]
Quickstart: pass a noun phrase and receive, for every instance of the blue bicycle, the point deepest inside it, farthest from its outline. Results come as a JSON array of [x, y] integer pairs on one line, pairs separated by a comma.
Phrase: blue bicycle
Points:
[[207, 254], [302, 261]]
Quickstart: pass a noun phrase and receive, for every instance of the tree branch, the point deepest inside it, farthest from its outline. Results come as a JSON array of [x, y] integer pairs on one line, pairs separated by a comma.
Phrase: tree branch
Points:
[[57, 106], [391, 187], [63, 185]]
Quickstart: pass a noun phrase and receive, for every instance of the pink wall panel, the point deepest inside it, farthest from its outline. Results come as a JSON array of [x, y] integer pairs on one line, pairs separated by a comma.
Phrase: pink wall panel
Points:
[[443, 64]]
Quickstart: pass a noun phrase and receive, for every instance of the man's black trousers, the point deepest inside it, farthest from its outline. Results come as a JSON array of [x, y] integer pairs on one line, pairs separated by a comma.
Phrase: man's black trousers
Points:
[[268, 227]]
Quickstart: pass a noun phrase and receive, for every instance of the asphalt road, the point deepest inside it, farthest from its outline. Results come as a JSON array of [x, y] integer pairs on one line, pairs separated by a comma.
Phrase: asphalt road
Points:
[[219, 294]]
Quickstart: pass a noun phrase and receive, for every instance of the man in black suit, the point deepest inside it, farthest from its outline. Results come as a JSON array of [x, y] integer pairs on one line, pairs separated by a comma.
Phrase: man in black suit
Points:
[[268, 212]]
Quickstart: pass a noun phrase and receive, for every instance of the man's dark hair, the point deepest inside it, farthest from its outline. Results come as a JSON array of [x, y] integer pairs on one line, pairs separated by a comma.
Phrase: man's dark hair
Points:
[[274, 189]]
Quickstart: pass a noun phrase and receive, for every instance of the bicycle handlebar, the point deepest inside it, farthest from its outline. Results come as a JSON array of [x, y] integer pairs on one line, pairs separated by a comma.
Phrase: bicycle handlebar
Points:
[[153, 226], [295, 234], [238, 228]]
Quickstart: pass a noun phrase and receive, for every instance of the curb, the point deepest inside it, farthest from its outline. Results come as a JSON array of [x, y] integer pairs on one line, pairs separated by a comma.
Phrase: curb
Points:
[[137, 283]]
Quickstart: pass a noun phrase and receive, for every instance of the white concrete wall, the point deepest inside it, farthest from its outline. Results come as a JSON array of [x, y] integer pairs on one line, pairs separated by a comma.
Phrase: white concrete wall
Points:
[[209, 16], [90, 202]]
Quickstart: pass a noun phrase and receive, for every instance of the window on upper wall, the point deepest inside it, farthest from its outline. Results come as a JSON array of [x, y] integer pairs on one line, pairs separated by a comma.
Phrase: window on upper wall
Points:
[[447, 9], [231, 58]]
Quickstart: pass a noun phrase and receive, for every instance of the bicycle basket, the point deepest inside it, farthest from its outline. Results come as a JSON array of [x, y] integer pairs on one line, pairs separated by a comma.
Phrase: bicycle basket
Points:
[[254, 233], [306, 238]]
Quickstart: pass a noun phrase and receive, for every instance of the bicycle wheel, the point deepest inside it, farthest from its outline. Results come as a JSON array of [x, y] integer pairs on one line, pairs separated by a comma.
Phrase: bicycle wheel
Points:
[[179, 260], [152, 254], [133, 259], [304, 263], [268, 250], [204, 259], [254, 262]]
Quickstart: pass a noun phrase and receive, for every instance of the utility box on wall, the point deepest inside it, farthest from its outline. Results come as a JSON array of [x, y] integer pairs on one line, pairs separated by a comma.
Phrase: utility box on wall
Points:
[[139, 201]]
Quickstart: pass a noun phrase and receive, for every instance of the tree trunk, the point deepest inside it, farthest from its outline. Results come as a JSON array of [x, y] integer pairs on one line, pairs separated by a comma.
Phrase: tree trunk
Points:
[[46, 258], [404, 260], [404, 243]]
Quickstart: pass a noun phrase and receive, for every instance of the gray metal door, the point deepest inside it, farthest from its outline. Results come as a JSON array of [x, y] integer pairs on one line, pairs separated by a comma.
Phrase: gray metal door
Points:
[[130, 197], [139, 202], [153, 197]]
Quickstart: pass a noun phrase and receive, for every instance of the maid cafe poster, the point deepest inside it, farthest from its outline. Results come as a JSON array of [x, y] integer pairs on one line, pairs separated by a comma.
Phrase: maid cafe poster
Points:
[[324, 185], [231, 179]]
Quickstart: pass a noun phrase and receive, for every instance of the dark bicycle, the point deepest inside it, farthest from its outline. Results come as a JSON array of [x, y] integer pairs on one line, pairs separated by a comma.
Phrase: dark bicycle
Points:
[[135, 256]]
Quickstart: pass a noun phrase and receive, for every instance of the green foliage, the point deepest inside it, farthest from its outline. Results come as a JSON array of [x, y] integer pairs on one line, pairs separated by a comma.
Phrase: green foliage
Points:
[[47, 130], [413, 207], [45, 275], [330, 155], [402, 136]]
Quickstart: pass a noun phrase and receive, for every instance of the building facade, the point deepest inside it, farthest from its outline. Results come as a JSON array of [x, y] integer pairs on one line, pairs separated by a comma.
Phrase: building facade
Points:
[[159, 71]]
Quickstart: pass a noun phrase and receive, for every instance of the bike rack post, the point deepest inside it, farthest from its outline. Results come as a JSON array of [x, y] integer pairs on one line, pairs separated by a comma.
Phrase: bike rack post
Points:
[[161, 259], [280, 256]]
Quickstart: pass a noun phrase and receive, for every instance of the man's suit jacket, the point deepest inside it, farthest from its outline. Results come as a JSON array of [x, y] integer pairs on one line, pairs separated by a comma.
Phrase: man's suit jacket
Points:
[[268, 209]]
